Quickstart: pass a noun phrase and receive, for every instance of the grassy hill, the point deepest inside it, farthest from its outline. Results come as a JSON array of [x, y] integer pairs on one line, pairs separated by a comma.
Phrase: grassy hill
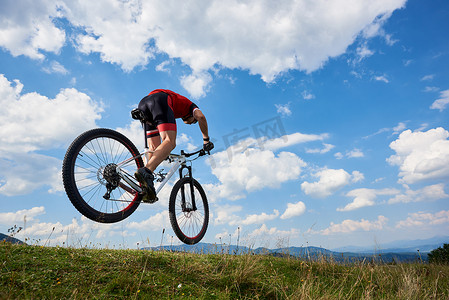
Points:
[[55, 272]]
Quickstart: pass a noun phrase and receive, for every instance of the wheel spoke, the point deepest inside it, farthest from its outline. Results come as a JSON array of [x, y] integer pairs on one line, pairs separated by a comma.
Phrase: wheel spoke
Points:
[[189, 225], [88, 173]]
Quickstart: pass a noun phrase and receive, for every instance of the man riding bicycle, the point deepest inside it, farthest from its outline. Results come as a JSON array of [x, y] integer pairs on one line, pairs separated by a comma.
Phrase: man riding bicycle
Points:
[[159, 109]]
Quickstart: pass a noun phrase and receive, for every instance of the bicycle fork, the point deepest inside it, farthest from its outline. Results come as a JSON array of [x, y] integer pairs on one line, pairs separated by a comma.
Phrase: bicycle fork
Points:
[[183, 192]]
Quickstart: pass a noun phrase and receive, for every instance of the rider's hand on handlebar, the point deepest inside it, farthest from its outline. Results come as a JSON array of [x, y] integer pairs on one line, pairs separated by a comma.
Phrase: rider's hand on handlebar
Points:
[[208, 146]]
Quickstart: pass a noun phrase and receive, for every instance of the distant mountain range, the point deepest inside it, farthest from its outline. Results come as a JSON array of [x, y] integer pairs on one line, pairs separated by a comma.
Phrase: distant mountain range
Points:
[[391, 252], [422, 246], [398, 251], [7, 238], [307, 253]]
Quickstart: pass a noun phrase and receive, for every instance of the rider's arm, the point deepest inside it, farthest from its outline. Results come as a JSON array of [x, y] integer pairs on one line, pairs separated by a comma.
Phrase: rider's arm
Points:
[[202, 122]]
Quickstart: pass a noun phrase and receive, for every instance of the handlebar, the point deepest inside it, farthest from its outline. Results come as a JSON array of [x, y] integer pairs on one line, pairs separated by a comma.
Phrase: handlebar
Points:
[[200, 152]]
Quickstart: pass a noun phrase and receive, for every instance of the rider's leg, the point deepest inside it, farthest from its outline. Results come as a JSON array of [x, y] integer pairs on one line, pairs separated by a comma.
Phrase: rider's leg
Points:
[[153, 143], [145, 175], [163, 150]]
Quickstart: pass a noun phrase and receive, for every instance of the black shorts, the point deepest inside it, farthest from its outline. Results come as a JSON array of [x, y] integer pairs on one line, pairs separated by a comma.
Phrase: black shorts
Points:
[[159, 115]]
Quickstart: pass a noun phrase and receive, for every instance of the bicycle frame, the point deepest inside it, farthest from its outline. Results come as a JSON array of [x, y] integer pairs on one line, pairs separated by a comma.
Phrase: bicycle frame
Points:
[[176, 159]]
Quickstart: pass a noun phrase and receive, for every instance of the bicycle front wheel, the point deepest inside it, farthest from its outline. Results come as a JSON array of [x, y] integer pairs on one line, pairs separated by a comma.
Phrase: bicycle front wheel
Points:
[[89, 168], [188, 210]]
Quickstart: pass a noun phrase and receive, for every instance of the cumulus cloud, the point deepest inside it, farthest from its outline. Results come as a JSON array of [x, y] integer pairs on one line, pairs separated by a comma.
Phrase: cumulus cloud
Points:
[[26, 28], [55, 67], [365, 197], [421, 155], [330, 181], [354, 153], [197, 84], [225, 214], [442, 102], [23, 174], [31, 122], [350, 226], [283, 110], [290, 140], [75, 233], [249, 165], [273, 231], [10, 218], [420, 219], [264, 37], [294, 210], [428, 193], [326, 148], [153, 223], [382, 78], [259, 218], [254, 170], [306, 95]]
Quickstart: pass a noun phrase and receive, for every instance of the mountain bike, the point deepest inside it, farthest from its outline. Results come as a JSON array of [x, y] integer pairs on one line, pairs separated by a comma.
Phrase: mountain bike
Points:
[[97, 178]]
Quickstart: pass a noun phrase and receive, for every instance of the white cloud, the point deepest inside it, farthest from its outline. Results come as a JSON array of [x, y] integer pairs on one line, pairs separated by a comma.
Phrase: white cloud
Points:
[[197, 84], [429, 77], [251, 165], [19, 217], [27, 28], [354, 153], [283, 110], [428, 193], [55, 67], [399, 128], [351, 226], [134, 132], [327, 148], [442, 102], [294, 210], [421, 155], [254, 170], [396, 130], [365, 197], [307, 95], [258, 219], [225, 214], [339, 155], [290, 140], [382, 78], [263, 37], [330, 181], [420, 219], [431, 89], [357, 176], [363, 52], [31, 122], [273, 231], [25, 173], [153, 223], [162, 67]]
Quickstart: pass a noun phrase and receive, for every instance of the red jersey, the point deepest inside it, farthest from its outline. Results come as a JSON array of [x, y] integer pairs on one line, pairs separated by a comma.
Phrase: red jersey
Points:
[[180, 105]]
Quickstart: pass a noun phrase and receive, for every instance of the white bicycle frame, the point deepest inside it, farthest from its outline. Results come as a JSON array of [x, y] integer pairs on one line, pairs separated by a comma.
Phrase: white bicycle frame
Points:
[[176, 159]]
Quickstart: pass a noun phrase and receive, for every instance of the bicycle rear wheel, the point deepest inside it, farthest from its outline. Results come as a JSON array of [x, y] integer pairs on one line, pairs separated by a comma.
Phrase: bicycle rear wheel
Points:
[[189, 224], [90, 166]]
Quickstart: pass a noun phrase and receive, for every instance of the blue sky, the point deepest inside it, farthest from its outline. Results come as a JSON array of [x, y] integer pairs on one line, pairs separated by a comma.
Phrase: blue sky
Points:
[[330, 119]]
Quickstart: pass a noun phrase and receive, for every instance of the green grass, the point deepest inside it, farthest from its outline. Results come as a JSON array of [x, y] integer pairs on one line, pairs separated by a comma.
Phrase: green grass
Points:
[[35, 272]]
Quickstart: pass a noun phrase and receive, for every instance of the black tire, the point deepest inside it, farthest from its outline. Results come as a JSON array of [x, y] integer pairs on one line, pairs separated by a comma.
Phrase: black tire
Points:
[[83, 172], [189, 226]]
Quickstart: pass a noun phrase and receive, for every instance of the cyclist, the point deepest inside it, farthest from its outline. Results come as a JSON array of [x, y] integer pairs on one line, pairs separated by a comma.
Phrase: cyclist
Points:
[[159, 109]]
